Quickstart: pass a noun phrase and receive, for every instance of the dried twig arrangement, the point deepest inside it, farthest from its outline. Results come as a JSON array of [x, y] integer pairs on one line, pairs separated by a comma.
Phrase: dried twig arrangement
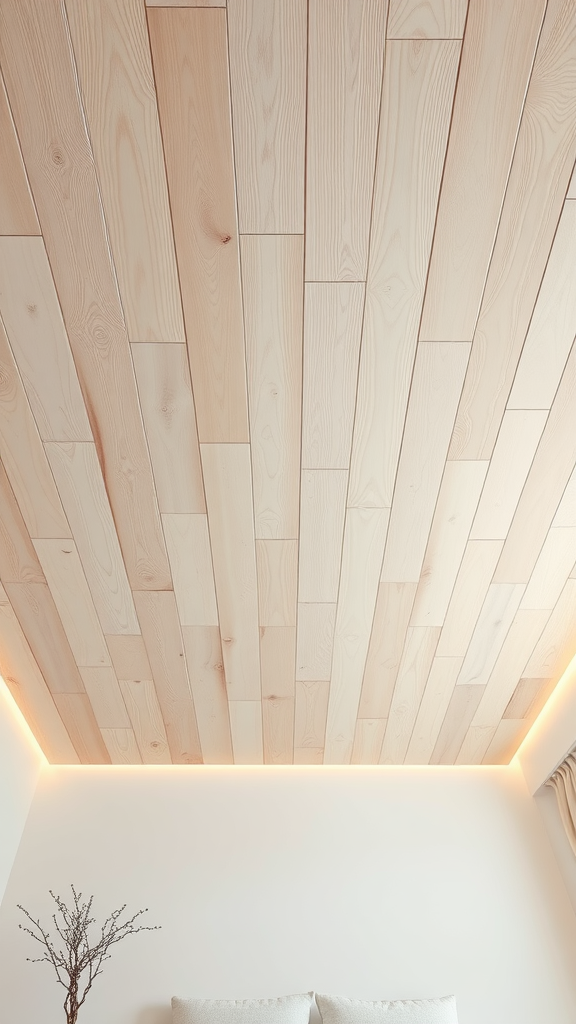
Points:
[[79, 952]]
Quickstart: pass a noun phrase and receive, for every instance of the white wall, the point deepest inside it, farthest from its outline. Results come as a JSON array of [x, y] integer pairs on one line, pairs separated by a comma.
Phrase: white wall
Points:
[[20, 764], [368, 882], [548, 807]]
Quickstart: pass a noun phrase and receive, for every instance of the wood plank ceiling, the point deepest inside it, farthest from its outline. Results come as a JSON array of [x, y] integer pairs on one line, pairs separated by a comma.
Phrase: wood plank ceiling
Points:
[[287, 376]]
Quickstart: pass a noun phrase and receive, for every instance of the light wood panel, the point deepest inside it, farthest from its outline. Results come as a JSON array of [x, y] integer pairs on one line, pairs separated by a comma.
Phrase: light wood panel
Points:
[[190, 557], [278, 729], [498, 611], [463, 704], [144, 710], [38, 616], [332, 329], [315, 640], [505, 742], [391, 617], [267, 43], [426, 19], [555, 648], [344, 83], [419, 82], [566, 511], [129, 657], [368, 736], [311, 709], [18, 560], [190, 64], [433, 711], [438, 375], [470, 589], [169, 416], [206, 670], [528, 698], [277, 570], [413, 672], [552, 569], [322, 513], [122, 746], [278, 660], [17, 213], [246, 729], [272, 276], [105, 697], [497, 56], [76, 713], [308, 755], [186, 3]]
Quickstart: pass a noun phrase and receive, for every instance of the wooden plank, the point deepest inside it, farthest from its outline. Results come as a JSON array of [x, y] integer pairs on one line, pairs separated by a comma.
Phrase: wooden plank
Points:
[[463, 704], [519, 436], [26, 684], [129, 657], [83, 492], [112, 52], [18, 560], [246, 728], [417, 658], [206, 671], [228, 483], [43, 91], [267, 46], [526, 696], [73, 600], [571, 193], [308, 755], [76, 713], [419, 82], [190, 64], [426, 19], [497, 57], [475, 744], [433, 708], [34, 325], [277, 569], [541, 169], [552, 569], [311, 709], [144, 710], [494, 621], [17, 213], [272, 274], [186, 3], [505, 742], [190, 557], [364, 539], [345, 57], [163, 639], [476, 571], [457, 503], [322, 513], [169, 415], [566, 511], [278, 660], [332, 329], [105, 697], [37, 614], [555, 648], [314, 641], [368, 737], [23, 455], [391, 617], [438, 375], [122, 746], [278, 729]]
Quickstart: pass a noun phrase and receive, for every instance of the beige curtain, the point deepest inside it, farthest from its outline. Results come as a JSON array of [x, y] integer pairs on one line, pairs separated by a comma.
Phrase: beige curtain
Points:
[[563, 781]]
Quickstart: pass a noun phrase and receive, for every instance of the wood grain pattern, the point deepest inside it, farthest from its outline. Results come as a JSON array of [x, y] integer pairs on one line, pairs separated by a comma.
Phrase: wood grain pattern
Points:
[[186, 3], [314, 641], [122, 746], [433, 710], [566, 511], [278, 729], [105, 697], [38, 616], [332, 329], [391, 617], [438, 376], [272, 276], [190, 557], [228, 483], [76, 713], [322, 513], [413, 672], [419, 82], [497, 57], [206, 670], [494, 621], [528, 698], [111, 48], [470, 589], [169, 415], [278, 660], [246, 729], [190, 64], [18, 559], [129, 657], [277, 570], [345, 57], [426, 19], [82, 489], [460, 712], [144, 711], [555, 648], [17, 213], [267, 44], [474, 745], [311, 709], [308, 755], [552, 569], [368, 736], [43, 92], [505, 742]]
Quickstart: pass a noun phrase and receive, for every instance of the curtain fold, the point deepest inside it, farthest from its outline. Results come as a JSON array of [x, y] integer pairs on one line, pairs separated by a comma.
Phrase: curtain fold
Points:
[[563, 781]]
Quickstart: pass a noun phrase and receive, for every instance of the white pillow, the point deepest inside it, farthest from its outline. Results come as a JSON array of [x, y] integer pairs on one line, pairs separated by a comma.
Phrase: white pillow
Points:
[[339, 1010], [284, 1010]]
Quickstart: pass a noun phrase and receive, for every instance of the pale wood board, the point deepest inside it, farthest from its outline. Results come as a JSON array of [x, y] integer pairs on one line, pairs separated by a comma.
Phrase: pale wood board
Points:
[[460, 712], [391, 617], [417, 658], [228, 483], [566, 511], [41, 624], [426, 19], [311, 709], [272, 288], [105, 697], [76, 713], [433, 709], [555, 648], [83, 492], [165, 391], [368, 736], [345, 57], [129, 657], [278, 729], [190, 65], [308, 755], [144, 710], [162, 636], [73, 600], [552, 569], [520, 433], [314, 641], [278, 660], [246, 729], [267, 47], [277, 571], [571, 193], [35, 329], [475, 744], [186, 3], [332, 329], [122, 746], [363, 547], [206, 670], [42, 86], [543, 161], [505, 742], [110, 41], [419, 82], [495, 618], [17, 213], [497, 57], [190, 557], [18, 559], [470, 589], [438, 376], [322, 513], [525, 697], [457, 502]]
